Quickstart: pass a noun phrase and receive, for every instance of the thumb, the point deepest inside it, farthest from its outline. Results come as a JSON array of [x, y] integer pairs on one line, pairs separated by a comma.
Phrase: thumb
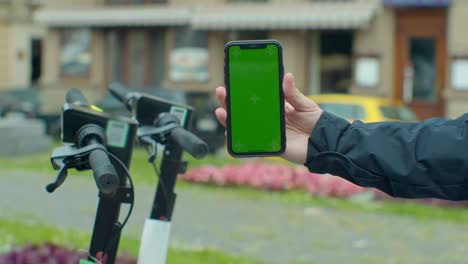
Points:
[[299, 101]]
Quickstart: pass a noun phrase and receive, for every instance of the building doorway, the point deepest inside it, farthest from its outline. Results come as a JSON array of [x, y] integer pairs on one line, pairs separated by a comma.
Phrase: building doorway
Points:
[[335, 61], [36, 61], [421, 59]]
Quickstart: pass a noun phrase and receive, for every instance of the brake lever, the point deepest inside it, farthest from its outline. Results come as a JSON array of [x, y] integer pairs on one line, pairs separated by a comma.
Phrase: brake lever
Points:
[[154, 145], [59, 179], [67, 157], [152, 135]]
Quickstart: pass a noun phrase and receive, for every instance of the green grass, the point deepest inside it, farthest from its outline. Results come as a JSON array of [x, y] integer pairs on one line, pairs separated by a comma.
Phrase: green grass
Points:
[[17, 233], [35, 162], [142, 172]]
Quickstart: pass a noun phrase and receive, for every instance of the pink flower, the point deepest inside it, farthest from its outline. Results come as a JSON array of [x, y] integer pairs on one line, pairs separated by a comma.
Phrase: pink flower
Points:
[[273, 177]]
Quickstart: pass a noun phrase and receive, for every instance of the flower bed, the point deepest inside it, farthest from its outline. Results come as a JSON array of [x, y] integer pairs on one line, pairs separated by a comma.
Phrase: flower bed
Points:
[[273, 177], [49, 253], [282, 177]]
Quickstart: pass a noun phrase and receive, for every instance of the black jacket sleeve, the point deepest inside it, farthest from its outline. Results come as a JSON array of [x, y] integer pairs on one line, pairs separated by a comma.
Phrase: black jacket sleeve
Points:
[[428, 159]]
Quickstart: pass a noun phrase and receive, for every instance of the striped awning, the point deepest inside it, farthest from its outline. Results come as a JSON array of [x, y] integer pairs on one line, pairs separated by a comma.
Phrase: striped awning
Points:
[[324, 15], [314, 15], [114, 16]]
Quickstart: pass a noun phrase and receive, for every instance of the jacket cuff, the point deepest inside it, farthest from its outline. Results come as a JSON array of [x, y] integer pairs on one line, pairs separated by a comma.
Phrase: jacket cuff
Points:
[[326, 135]]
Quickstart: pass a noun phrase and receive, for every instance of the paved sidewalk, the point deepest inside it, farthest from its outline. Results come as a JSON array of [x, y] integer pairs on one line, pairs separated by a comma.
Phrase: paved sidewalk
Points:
[[272, 232]]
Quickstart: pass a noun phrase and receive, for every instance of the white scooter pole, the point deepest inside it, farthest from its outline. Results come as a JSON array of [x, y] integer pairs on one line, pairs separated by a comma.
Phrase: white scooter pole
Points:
[[154, 242]]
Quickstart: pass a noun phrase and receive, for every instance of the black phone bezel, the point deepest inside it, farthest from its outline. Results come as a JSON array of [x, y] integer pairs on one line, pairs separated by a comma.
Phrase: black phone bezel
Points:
[[254, 44]]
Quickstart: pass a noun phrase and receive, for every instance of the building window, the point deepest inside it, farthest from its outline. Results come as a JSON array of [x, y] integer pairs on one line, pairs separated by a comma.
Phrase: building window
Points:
[[247, 35], [137, 60], [137, 57], [189, 56], [157, 43], [247, 1], [117, 2], [335, 62], [332, 1], [75, 57], [115, 50], [135, 2]]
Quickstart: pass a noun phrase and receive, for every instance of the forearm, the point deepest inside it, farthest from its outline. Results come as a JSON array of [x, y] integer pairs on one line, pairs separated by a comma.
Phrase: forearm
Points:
[[410, 160]]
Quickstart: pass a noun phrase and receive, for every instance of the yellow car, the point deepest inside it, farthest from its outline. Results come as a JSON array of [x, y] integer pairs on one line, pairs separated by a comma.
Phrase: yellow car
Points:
[[364, 108]]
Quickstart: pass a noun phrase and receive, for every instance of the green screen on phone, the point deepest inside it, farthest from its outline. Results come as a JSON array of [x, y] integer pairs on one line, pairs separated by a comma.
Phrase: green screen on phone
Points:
[[255, 99]]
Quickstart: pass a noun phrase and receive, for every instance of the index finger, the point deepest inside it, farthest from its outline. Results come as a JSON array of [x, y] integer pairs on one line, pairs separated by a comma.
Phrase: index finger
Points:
[[221, 96]]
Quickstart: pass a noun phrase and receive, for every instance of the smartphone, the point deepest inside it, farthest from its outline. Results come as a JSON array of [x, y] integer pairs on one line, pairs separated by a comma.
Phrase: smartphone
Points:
[[255, 101]]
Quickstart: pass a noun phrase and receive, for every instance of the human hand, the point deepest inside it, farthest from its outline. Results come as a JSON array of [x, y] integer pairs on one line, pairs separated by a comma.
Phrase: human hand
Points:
[[301, 116]]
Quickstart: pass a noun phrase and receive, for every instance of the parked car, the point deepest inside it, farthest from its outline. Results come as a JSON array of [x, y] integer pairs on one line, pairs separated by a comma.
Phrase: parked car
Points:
[[204, 123], [364, 108], [22, 101]]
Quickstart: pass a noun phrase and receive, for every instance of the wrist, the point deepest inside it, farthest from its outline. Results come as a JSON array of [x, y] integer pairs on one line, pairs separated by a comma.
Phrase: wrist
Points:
[[325, 135]]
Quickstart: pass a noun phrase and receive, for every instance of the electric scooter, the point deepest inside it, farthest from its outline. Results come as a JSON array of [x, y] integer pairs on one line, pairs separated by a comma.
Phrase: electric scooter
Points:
[[102, 143], [165, 123]]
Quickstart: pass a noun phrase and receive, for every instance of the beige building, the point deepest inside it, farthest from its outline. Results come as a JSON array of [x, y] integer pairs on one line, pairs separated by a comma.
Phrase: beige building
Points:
[[399, 49], [20, 44]]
